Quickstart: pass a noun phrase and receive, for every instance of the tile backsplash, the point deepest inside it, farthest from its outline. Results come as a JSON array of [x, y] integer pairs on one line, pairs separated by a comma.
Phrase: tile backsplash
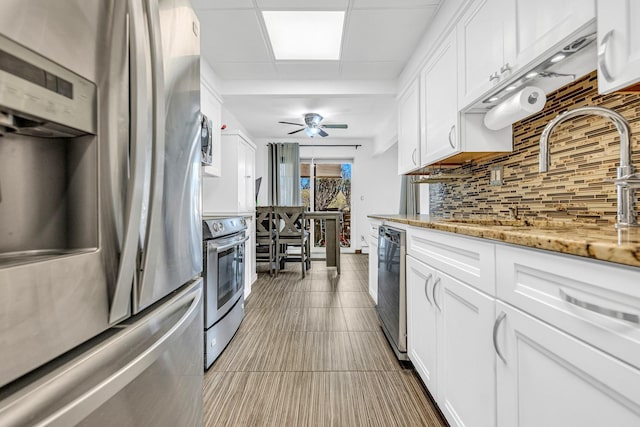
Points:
[[584, 153]]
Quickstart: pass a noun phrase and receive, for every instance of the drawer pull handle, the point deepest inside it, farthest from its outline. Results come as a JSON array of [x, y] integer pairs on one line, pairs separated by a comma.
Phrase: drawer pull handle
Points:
[[426, 287], [629, 317], [602, 56], [435, 285], [496, 326], [451, 143]]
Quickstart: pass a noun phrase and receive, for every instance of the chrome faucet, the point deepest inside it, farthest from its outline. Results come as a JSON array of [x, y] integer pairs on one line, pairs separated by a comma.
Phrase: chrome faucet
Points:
[[626, 181]]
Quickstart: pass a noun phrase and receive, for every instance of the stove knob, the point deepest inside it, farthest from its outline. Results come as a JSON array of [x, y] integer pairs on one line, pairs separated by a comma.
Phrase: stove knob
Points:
[[215, 226], [221, 227], [243, 221]]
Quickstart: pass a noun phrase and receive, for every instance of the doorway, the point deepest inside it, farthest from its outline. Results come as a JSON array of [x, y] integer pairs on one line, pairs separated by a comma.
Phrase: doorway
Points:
[[325, 185]]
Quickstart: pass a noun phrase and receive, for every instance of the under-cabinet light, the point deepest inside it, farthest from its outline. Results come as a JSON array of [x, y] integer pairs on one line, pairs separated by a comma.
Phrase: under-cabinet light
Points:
[[542, 69], [305, 35]]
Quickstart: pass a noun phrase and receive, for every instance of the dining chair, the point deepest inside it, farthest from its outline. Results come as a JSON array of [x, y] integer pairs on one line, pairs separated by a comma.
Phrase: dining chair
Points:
[[266, 238], [291, 231]]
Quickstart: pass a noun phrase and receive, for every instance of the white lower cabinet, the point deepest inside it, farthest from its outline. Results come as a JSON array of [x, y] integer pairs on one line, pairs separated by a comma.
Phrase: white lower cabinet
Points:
[[373, 268], [421, 322], [548, 378], [449, 340], [466, 358], [528, 355]]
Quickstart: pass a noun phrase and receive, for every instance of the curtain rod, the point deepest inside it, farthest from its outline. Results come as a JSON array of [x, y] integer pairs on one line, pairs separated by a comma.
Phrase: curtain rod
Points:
[[331, 145]]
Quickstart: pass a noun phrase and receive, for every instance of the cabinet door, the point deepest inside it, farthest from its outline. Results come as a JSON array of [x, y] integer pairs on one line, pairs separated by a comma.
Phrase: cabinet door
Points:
[[249, 178], [480, 49], [421, 321], [539, 25], [242, 176], [373, 268], [439, 92], [409, 129], [551, 379], [618, 44], [466, 359], [250, 258]]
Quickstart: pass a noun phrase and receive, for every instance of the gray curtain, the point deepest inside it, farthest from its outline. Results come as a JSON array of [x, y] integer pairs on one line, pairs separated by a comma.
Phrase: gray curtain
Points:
[[409, 197], [284, 174]]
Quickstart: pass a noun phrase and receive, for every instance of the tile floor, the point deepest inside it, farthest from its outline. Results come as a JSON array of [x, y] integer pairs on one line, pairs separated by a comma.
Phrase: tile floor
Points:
[[311, 353]]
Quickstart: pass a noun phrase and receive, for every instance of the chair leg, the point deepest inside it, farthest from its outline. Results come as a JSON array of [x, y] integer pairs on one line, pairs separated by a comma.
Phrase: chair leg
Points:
[[302, 261]]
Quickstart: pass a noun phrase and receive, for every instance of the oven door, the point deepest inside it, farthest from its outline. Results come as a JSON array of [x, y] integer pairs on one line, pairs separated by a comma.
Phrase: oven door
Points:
[[224, 275]]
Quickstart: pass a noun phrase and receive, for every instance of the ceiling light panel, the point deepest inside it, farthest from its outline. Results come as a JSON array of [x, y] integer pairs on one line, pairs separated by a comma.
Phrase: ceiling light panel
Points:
[[305, 35]]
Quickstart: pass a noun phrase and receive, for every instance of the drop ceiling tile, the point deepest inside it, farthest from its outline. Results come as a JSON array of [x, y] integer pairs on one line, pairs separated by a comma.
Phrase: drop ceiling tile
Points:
[[222, 4], [302, 4], [232, 35], [384, 35], [371, 70], [397, 4], [244, 70], [308, 70]]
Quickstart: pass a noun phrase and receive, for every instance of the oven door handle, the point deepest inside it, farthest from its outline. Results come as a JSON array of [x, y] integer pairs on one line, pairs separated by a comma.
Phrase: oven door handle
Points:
[[230, 245]]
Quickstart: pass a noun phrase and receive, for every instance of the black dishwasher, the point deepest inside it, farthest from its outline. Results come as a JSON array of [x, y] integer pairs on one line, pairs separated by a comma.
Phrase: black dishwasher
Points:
[[392, 295]]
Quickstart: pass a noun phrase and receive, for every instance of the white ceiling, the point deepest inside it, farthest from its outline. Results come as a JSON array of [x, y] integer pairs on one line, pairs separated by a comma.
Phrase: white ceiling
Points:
[[378, 39]]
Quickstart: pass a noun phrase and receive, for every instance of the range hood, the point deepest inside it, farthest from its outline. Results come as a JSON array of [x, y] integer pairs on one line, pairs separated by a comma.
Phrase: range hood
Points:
[[557, 68]]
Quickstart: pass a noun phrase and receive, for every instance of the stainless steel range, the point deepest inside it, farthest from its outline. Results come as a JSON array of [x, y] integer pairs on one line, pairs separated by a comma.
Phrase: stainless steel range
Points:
[[224, 265]]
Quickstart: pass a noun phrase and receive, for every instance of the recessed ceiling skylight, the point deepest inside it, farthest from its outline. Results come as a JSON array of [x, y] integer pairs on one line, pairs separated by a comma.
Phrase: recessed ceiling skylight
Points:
[[305, 35]]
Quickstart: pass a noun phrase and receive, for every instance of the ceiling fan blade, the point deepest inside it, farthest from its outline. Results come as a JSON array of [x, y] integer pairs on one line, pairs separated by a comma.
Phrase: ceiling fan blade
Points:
[[322, 133], [296, 131], [289, 123], [341, 126]]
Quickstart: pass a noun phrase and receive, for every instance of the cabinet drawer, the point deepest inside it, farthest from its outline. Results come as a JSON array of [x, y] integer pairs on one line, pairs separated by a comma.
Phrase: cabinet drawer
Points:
[[591, 300], [466, 259]]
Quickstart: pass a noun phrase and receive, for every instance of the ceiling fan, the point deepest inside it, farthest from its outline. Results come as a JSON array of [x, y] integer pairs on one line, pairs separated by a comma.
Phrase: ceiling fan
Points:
[[312, 126]]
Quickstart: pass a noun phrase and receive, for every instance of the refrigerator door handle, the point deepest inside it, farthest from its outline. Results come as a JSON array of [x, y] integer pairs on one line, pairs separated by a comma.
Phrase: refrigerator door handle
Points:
[[36, 404], [140, 140], [155, 227]]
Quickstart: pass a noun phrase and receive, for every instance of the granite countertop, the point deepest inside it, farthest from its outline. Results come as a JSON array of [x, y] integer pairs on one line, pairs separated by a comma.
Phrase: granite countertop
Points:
[[602, 242]]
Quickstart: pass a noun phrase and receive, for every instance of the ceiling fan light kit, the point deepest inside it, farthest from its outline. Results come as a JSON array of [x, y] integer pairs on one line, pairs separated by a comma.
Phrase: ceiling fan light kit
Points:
[[312, 126]]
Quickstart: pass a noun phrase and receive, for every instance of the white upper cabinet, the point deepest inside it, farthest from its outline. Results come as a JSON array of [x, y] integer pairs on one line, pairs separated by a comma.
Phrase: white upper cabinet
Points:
[[618, 44], [481, 34], [440, 104], [541, 24], [497, 38], [409, 129]]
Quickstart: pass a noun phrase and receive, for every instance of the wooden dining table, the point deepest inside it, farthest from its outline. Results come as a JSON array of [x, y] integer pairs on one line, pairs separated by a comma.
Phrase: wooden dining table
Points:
[[332, 240]]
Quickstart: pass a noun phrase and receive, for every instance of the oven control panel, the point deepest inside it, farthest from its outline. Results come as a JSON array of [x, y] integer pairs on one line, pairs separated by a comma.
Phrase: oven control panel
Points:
[[218, 227]]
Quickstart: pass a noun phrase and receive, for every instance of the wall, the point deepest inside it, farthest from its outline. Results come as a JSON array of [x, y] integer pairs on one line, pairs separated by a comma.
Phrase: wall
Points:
[[375, 183], [584, 152]]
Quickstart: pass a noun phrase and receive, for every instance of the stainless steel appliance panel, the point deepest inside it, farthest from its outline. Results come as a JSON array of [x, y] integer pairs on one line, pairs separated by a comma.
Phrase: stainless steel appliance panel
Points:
[[173, 238], [56, 293], [392, 300], [147, 373], [218, 336], [224, 275]]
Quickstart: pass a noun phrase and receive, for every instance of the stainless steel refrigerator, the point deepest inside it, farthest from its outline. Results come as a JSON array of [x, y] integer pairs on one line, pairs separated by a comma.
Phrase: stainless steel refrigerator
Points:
[[100, 218]]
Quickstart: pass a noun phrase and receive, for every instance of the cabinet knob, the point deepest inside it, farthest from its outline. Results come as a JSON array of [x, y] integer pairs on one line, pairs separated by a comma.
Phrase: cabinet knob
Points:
[[505, 68], [494, 76]]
